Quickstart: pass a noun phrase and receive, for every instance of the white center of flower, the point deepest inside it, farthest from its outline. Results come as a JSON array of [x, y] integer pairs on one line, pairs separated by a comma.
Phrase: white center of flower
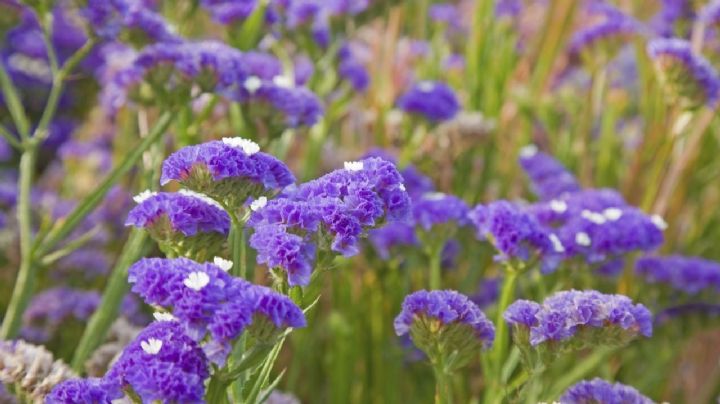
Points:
[[202, 197], [283, 81], [224, 264], [612, 214], [558, 206], [247, 145], [426, 86], [151, 346], [143, 196], [252, 84], [197, 280], [659, 222], [163, 316], [434, 196], [594, 217], [557, 245], [258, 204], [528, 151], [582, 239], [354, 165]]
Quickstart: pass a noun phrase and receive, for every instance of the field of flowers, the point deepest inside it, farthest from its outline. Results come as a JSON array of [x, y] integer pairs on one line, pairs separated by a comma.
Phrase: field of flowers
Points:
[[359, 201]]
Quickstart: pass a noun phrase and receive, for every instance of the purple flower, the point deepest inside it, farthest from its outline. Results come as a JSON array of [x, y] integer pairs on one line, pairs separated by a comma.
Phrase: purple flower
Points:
[[276, 247], [601, 391], [91, 390], [672, 13], [89, 262], [392, 236], [52, 307], [565, 314], [164, 364], [548, 177], [229, 11], [710, 13], [436, 208], [690, 275], [599, 43], [427, 315], [280, 103], [231, 170], [515, 233], [434, 101], [688, 77], [110, 18], [446, 13], [508, 8], [352, 70]]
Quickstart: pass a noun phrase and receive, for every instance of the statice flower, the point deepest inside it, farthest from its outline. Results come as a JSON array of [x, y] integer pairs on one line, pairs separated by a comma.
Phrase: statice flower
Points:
[[391, 237], [140, 23], [601, 391], [443, 323], [599, 43], [30, 369], [230, 171], [516, 234], [51, 308], [689, 78], [90, 263], [352, 70], [436, 208], [690, 275], [675, 18], [549, 178], [229, 11], [508, 8], [446, 13], [332, 213], [162, 363], [183, 224], [434, 101], [574, 319], [91, 390]]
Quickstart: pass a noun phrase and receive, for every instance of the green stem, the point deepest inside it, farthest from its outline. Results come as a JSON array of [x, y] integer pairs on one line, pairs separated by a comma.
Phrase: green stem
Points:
[[217, 391], [26, 274], [500, 347], [435, 267], [91, 201], [17, 111], [443, 385], [14, 142], [114, 292], [238, 247]]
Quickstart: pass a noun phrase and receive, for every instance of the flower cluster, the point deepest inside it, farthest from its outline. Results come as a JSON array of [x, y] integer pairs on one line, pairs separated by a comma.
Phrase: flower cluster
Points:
[[690, 275], [441, 322], [601, 391], [183, 223], [31, 369], [91, 390], [229, 171], [516, 234], [111, 18], [50, 308], [598, 43], [548, 177], [575, 319], [206, 299], [329, 214], [433, 101], [688, 77]]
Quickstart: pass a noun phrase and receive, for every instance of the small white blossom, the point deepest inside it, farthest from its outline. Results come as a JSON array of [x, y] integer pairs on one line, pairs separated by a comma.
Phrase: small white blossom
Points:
[[143, 196], [426, 86], [594, 217], [248, 146], [283, 81], [528, 151], [354, 165], [434, 196], [151, 346], [402, 187], [556, 243], [659, 222], [612, 214], [202, 197], [558, 206], [163, 316], [224, 264], [258, 204], [196, 280], [583, 239], [252, 84]]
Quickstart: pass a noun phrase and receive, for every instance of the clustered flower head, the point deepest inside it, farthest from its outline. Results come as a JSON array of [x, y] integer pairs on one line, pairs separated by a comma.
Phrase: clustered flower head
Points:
[[599, 43], [90, 390], [441, 322], [183, 223], [207, 300], [549, 178], [574, 319], [434, 101], [135, 18], [688, 77], [516, 234], [50, 308], [229, 171], [162, 363], [329, 214], [31, 369], [601, 391], [690, 275]]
